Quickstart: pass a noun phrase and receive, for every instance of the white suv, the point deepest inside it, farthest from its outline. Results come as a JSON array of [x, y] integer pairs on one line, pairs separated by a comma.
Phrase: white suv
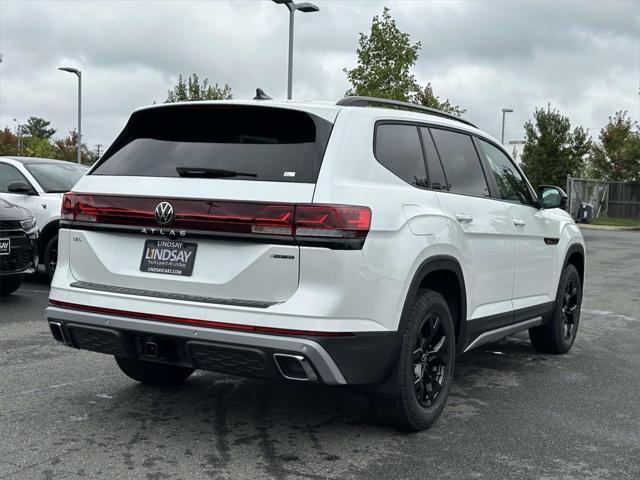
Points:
[[312, 242], [37, 184]]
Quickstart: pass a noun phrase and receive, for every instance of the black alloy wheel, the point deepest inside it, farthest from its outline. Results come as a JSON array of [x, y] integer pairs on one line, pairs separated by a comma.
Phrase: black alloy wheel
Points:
[[569, 309], [415, 393], [558, 332], [51, 256], [430, 360]]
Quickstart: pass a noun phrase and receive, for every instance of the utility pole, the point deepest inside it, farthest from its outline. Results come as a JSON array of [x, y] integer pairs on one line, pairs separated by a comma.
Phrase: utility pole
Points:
[[98, 149]]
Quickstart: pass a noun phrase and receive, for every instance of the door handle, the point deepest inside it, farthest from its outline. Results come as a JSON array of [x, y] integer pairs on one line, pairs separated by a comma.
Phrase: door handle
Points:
[[519, 223], [464, 218]]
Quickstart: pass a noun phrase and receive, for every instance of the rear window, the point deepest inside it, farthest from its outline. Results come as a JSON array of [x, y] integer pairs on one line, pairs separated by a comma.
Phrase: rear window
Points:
[[270, 144]]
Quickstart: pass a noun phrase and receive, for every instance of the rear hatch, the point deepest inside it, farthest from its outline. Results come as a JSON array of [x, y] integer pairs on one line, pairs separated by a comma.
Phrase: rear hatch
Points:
[[197, 202]]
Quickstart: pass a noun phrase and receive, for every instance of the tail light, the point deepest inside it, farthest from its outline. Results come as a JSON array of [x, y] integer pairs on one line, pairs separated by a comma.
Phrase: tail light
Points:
[[78, 208], [333, 221], [307, 224]]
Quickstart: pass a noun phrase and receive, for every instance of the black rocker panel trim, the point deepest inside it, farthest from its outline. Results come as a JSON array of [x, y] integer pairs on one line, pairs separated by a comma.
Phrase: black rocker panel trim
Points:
[[478, 326]]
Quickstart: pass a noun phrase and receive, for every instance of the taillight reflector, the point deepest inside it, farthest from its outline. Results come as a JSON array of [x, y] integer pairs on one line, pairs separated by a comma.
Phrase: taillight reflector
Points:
[[192, 321]]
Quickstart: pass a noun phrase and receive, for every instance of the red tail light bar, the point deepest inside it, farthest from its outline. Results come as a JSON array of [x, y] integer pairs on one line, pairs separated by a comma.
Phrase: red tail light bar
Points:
[[337, 226], [192, 321]]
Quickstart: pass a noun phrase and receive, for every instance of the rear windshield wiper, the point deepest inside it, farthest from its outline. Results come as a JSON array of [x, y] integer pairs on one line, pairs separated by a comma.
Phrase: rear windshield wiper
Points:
[[197, 172]]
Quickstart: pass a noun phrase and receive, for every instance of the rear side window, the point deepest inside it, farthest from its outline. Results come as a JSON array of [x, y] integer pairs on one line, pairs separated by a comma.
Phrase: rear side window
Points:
[[461, 163], [436, 174], [397, 147], [269, 144]]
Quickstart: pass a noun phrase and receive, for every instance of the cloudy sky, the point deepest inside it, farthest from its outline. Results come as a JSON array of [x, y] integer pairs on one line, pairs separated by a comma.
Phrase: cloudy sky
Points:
[[583, 57]]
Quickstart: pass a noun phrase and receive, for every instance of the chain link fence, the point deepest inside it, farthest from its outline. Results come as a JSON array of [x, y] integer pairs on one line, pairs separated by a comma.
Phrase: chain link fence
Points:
[[602, 198]]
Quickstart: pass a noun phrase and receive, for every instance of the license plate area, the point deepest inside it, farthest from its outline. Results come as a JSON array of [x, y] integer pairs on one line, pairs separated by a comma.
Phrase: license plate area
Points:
[[169, 257], [5, 246]]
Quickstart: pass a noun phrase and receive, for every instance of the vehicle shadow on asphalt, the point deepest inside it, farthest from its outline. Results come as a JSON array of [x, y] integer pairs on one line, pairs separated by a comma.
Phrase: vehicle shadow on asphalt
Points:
[[217, 425], [226, 403]]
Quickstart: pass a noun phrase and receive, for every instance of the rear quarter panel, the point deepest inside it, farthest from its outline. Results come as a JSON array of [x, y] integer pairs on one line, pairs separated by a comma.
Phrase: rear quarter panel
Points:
[[407, 226]]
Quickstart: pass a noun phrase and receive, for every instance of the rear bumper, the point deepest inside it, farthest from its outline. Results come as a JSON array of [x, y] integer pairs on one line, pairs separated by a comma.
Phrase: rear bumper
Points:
[[364, 358]]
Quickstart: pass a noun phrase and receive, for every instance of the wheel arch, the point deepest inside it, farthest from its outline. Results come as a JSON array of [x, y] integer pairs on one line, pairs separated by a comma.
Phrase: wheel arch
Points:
[[443, 274], [575, 256], [48, 231]]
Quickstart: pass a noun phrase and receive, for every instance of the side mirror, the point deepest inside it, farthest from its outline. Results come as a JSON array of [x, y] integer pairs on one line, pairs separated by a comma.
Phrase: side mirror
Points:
[[551, 197], [21, 188]]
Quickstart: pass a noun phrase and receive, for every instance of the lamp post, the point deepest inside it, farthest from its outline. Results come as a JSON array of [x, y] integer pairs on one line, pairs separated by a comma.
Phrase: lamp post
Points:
[[504, 111], [19, 135], [304, 7], [79, 75]]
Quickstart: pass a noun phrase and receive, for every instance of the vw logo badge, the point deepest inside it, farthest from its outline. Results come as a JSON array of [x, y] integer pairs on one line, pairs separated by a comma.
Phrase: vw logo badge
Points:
[[164, 213]]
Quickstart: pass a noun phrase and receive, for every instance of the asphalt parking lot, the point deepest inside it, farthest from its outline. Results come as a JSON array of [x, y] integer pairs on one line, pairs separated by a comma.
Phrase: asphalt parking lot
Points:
[[513, 413]]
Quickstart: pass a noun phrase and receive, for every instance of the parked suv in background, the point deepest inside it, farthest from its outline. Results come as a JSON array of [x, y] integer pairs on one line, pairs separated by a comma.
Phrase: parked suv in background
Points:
[[312, 242], [18, 246], [37, 184]]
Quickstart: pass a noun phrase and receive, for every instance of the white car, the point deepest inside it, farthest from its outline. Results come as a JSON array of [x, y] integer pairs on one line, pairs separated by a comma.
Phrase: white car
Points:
[[37, 184], [348, 244]]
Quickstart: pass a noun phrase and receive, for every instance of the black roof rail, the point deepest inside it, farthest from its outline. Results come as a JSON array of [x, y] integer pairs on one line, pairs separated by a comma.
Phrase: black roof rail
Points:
[[356, 101]]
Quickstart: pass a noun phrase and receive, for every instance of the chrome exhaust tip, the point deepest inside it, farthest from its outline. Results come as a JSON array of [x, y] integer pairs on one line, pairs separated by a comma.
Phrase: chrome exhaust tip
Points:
[[295, 367], [58, 332]]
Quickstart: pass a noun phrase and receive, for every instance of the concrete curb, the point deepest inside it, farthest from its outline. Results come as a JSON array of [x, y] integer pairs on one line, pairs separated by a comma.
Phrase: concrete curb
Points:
[[588, 226]]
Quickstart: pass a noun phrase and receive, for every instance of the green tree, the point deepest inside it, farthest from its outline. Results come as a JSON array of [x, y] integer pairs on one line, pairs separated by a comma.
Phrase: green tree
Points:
[[552, 150], [67, 149], [93, 157], [385, 58], [617, 155], [8, 142], [38, 147], [426, 97], [192, 90], [37, 127]]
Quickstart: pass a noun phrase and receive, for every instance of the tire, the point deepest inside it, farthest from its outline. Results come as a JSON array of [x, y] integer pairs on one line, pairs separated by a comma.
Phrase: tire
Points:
[[151, 373], [9, 284], [51, 256], [558, 333], [415, 400]]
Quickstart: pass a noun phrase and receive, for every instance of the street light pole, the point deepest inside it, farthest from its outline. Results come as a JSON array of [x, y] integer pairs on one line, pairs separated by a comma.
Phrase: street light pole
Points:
[[19, 135], [504, 111], [290, 66], [304, 7], [78, 73]]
